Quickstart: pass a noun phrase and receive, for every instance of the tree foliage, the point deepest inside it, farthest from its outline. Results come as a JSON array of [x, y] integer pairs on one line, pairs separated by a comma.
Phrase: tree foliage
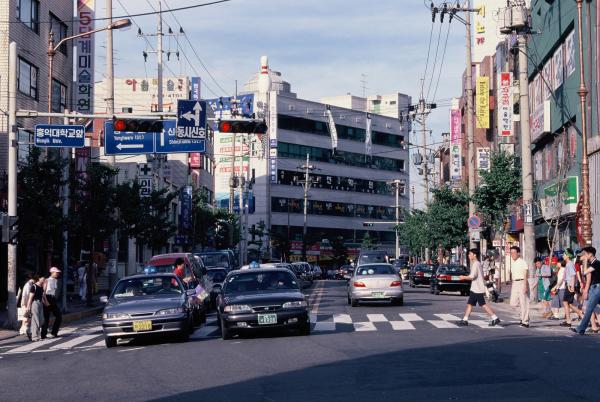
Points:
[[156, 226], [413, 232], [204, 219]]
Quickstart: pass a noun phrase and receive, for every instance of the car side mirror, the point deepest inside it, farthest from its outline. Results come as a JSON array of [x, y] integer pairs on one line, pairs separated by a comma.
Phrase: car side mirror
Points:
[[104, 299]]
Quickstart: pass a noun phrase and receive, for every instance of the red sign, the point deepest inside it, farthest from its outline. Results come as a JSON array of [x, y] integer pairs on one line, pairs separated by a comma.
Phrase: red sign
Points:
[[196, 160]]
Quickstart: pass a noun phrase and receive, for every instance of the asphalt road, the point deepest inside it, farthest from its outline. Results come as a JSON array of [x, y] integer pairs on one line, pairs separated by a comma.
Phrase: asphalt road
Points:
[[371, 352]]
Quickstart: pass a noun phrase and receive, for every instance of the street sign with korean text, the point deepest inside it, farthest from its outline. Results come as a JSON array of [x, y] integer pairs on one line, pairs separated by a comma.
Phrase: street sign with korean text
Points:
[[191, 119], [167, 142], [126, 143], [59, 136]]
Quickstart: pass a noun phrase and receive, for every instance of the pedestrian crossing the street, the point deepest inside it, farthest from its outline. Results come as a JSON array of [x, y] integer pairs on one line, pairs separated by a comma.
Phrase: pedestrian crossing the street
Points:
[[90, 337]]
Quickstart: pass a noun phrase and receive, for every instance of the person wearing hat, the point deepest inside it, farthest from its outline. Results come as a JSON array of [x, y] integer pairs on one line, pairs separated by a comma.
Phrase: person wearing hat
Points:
[[51, 290]]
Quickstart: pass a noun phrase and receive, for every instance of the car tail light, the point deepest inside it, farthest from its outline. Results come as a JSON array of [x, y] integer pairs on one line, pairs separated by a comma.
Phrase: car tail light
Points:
[[358, 285], [444, 277], [421, 274], [396, 283]]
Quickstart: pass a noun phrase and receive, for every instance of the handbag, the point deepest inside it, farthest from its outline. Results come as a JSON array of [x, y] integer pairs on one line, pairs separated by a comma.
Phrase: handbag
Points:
[[21, 313]]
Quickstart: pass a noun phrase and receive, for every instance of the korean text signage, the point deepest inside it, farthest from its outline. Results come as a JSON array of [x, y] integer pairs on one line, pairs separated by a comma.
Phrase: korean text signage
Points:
[[483, 102], [483, 160], [505, 105], [561, 199], [455, 145], [191, 119], [185, 218], [47, 135], [84, 63]]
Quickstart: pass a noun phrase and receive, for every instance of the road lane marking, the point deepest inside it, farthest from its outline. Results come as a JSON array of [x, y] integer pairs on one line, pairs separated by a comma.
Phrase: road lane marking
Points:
[[319, 294], [483, 324], [401, 325], [364, 326], [74, 342], [324, 326], [410, 317], [39, 344], [313, 317], [98, 344], [342, 319], [441, 324], [376, 318], [448, 317]]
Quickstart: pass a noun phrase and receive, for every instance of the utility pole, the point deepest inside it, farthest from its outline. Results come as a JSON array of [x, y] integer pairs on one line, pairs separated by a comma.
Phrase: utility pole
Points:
[[65, 213], [419, 113], [159, 93], [469, 116], [397, 185], [12, 183], [413, 198], [306, 184]]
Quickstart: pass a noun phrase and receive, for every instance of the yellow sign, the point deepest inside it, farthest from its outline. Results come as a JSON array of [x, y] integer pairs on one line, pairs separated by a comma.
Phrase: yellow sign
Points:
[[483, 102]]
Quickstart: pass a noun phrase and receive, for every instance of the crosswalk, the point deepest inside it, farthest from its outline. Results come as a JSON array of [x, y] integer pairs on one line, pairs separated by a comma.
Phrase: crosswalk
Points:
[[90, 336]]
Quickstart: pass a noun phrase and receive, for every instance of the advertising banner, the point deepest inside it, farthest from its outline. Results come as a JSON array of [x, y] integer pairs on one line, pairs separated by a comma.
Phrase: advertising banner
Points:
[[84, 62], [455, 145], [505, 105], [483, 102], [483, 160], [561, 199], [185, 216]]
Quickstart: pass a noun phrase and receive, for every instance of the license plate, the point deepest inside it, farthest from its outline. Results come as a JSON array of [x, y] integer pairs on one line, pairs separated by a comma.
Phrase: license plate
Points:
[[456, 278], [266, 319], [427, 275], [377, 294], [145, 325]]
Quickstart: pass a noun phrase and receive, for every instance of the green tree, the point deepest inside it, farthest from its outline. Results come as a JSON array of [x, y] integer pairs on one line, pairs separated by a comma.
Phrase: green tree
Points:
[[339, 250], [156, 225], [413, 232], [204, 219], [447, 218], [367, 242], [227, 229], [282, 243], [130, 213]]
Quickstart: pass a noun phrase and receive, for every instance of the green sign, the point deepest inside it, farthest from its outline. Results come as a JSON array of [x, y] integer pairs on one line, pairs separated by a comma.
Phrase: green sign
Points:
[[568, 190]]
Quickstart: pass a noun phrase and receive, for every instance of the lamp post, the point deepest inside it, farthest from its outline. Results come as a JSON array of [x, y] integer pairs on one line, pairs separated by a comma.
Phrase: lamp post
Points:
[[586, 219], [398, 186]]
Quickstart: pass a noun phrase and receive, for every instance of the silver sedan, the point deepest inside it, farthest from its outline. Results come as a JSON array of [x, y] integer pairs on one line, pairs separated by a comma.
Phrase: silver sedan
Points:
[[375, 282]]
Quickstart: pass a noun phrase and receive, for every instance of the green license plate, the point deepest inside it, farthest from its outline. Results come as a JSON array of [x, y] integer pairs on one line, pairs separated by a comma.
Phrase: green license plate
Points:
[[266, 319], [377, 294]]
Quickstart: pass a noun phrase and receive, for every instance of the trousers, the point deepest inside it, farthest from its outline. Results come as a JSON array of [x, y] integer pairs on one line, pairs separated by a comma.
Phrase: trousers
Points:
[[592, 302], [37, 319], [55, 311], [521, 299]]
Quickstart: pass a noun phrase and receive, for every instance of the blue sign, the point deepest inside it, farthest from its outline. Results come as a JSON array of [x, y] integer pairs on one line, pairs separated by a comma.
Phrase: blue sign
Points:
[[191, 119], [195, 93], [59, 136], [126, 143], [168, 143], [185, 217]]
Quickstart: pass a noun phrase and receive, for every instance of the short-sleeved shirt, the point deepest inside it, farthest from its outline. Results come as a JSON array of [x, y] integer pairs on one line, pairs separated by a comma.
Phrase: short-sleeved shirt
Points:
[[37, 291], [51, 286], [476, 275], [546, 273], [595, 267], [179, 271], [570, 273], [519, 269]]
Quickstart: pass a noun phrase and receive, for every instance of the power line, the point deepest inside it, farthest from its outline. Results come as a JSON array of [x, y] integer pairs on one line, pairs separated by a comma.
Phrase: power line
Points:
[[442, 64], [437, 48]]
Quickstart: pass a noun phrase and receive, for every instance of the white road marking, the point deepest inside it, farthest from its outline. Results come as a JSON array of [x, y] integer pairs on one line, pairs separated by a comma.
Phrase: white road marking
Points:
[[483, 324], [313, 317], [30, 347], [441, 324], [98, 344], [342, 319], [410, 317], [364, 326], [401, 325], [377, 318], [448, 317], [324, 326], [131, 349], [317, 299], [74, 342]]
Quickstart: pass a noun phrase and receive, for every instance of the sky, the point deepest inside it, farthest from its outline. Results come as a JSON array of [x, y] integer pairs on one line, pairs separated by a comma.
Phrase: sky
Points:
[[322, 47]]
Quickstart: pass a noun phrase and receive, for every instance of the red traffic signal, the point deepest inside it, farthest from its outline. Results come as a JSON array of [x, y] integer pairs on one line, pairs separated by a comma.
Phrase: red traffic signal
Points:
[[138, 125], [243, 126]]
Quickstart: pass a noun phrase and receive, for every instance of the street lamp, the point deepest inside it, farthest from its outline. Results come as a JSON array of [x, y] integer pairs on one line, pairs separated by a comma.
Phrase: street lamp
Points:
[[398, 185]]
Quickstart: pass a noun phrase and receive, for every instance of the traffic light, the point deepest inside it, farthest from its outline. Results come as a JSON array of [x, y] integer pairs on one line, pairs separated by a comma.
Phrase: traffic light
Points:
[[138, 125], [243, 126], [367, 224], [9, 228]]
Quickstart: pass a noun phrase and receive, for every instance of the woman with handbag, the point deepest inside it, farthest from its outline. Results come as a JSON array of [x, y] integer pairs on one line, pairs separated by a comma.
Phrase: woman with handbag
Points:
[[25, 321]]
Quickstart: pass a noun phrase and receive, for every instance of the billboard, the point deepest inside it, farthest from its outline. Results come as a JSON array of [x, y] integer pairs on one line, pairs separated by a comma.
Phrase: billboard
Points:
[[505, 105], [455, 145], [483, 102], [84, 62]]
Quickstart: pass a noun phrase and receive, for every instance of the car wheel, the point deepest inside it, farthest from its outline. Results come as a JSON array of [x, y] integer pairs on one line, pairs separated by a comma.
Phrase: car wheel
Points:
[[197, 320], [110, 341], [225, 332], [203, 317], [398, 302], [184, 334], [354, 303]]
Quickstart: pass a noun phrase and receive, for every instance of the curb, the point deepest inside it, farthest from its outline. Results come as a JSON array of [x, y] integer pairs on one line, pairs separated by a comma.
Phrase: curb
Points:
[[79, 315]]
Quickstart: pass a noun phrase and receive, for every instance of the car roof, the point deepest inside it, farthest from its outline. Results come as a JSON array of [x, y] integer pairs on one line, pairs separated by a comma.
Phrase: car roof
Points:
[[167, 258], [374, 263], [252, 270], [149, 276], [216, 269]]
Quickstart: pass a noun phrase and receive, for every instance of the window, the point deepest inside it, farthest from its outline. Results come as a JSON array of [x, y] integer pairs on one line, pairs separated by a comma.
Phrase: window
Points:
[[59, 29], [28, 13], [59, 97], [27, 81]]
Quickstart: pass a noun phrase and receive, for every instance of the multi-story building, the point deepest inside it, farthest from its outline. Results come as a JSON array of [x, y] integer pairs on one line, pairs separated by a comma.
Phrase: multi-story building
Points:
[[391, 105]]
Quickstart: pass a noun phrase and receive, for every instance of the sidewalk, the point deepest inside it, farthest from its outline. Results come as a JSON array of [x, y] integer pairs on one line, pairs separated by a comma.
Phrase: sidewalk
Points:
[[76, 310]]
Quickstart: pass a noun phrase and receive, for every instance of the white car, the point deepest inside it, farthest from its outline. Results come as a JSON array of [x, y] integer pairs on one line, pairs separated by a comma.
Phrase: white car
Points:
[[375, 282]]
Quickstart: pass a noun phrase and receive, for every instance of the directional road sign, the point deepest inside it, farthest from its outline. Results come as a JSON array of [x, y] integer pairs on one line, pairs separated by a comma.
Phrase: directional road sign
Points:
[[126, 143], [191, 119], [167, 142], [59, 136]]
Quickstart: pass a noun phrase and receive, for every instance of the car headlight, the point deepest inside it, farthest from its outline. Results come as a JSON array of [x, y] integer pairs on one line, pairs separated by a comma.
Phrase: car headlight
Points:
[[171, 311], [237, 308], [114, 316], [295, 304]]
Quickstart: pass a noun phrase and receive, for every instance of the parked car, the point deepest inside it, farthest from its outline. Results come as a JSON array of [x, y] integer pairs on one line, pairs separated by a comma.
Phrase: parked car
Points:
[[217, 259], [372, 257], [148, 304], [214, 282], [337, 273], [447, 279], [256, 299], [421, 274], [375, 282]]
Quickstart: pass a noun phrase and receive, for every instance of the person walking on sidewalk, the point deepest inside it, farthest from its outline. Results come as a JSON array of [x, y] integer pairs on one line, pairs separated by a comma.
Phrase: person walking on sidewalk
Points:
[[477, 293], [570, 281], [520, 289], [51, 288], [591, 291], [544, 273], [35, 307]]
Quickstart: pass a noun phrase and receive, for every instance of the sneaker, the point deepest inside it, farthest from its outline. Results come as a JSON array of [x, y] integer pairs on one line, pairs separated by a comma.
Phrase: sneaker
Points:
[[553, 318], [525, 325], [495, 322], [462, 323], [52, 336], [575, 330], [565, 324]]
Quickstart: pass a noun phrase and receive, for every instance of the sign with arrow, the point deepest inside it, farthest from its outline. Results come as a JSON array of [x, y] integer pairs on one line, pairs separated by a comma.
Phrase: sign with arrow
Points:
[[191, 119], [167, 142], [126, 143]]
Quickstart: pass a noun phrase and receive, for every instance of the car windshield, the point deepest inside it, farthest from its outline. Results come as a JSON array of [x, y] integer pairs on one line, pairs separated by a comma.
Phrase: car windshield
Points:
[[258, 281], [376, 270], [216, 275], [159, 269], [372, 258], [452, 269], [151, 286], [425, 268], [215, 260]]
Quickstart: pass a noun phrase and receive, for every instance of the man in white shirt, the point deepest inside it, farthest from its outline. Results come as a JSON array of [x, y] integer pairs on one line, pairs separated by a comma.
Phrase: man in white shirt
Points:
[[477, 290], [50, 289], [520, 288]]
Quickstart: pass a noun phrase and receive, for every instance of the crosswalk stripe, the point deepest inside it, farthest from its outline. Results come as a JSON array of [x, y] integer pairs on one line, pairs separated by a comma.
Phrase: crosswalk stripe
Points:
[[313, 317], [203, 332], [410, 317], [324, 326], [364, 326], [377, 318], [29, 347], [342, 319], [441, 324], [74, 342], [401, 325], [483, 324], [448, 317], [98, 344]]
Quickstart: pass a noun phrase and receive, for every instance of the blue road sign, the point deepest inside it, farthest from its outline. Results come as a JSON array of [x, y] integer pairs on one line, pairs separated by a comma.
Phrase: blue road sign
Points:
[[126, 143], [191, 119], [59, 136], [168, 143]]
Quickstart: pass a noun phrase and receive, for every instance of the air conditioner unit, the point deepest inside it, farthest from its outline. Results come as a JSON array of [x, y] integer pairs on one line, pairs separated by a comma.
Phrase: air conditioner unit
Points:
[[505, 20], [519, 18]]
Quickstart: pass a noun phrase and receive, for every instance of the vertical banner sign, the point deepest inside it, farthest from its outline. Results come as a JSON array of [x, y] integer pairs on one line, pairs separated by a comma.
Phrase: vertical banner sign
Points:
[[483, 160], [332, 129], [185, 217], [84, 66], [368, 136], [194, 95], [483, 102], [505, 105], [273, 136], [455, 145]]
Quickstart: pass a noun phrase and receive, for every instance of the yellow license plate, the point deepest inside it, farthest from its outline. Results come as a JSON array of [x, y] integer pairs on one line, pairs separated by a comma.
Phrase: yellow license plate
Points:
[[145, 325]]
